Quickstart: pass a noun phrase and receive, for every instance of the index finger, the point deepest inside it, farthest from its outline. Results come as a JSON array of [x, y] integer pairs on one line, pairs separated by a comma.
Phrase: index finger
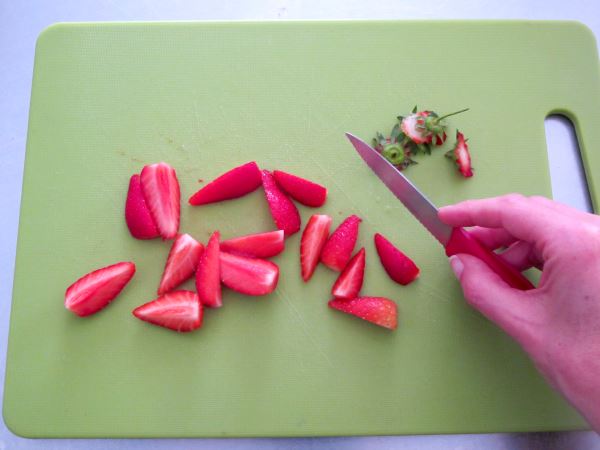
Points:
[[520, 216]]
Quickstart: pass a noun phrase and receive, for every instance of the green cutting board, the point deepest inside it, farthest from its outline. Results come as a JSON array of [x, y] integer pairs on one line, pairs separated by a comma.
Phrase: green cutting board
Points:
[[109, 98]]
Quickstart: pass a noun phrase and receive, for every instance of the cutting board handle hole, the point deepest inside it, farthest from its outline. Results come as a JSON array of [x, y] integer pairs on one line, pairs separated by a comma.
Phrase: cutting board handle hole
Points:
[[569, 184]]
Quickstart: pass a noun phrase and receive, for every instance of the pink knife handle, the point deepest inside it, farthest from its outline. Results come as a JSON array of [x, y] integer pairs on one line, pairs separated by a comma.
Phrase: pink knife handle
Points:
[[462, 242]]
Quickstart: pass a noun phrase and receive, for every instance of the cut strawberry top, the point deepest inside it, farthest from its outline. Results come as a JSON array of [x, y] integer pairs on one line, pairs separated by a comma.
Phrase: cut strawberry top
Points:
[[378, 310], [208, 274], [232, 184], [137, 215], [178, 310], [161, 192], [284, 212], [462, 156], [340, 245], [398, 266], [412, 126], [350, 281], [314, 236], [304, 191], [250, 276], [181, 263], [97, 289], [260, 245]]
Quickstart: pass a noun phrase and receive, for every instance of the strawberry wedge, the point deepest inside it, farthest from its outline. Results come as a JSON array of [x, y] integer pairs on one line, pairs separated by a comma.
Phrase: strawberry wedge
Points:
[[250, 276], [232, 184], [340, 245], [181, 263], [260, 245], [314, 236], [398, 266], [350, 281], [161, 192], [284, 212], [208, 274], [97, 289], [378, 310], [137, 215], [304, 191], [178, 310]]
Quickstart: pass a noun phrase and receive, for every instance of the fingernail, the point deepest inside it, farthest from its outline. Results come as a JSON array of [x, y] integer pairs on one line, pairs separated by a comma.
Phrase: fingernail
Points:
[[457, 266]]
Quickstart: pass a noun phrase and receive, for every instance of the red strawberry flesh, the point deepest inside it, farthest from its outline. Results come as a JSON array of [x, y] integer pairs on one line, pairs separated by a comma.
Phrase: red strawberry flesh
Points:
[[232, 184], [350, 281], [462, 156], [304, 191], [208, 274], [97, 289], [378, 310], [181, 262], [250, 276], [161, 191], [398, 266], [340, 245], [284, 212], [177, 310], [313, 239], [137, 215], [260, 245]]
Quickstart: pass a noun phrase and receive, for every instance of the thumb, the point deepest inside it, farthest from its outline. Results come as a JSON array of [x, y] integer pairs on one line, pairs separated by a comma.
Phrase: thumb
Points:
[[516, 312]]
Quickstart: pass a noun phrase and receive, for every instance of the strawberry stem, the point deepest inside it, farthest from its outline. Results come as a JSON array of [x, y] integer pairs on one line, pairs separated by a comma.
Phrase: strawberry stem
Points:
[[438, 119]]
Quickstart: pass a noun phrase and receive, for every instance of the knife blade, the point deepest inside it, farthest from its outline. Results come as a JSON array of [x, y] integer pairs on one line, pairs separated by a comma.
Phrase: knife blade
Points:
[[414, 200], [454, 240]]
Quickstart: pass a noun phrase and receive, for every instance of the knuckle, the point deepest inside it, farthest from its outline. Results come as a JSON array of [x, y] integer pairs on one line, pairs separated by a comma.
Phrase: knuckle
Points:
[[514, 199]]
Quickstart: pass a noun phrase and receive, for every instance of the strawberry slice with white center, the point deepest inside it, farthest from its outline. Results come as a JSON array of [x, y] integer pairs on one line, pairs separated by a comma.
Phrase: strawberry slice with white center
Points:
[[260, 245], [412, 126], [178, 310], [161, 192], [462, 156], [235, 183], [94, 291], [208, 274], [181, 263], [378, 310], [137, 215], [314, 236], [250, 276], [350, 281]]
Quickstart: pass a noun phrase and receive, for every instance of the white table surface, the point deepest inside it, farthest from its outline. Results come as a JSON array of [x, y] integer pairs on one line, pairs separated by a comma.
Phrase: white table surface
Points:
[[22, 21]]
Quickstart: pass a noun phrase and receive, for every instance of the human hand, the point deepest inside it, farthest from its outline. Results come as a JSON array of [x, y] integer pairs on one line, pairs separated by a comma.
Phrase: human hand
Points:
[[558, 323]]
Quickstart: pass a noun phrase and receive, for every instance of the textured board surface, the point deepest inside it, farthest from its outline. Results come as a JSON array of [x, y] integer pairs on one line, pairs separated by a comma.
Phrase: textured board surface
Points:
[[109, 98]]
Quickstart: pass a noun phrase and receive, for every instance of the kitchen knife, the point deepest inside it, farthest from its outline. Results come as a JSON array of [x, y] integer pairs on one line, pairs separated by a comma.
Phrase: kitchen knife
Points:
[[454, 240]]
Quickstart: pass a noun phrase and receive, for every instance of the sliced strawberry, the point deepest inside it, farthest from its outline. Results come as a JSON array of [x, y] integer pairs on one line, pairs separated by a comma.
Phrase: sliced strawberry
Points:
[[161, 191], [178, 310], [208, 274], [340, 245], [378, 310], [181, 263], [462, 156], [304, 191], [250, 276], [440, 138], [94, 291], [284, 212], [314, 236], [260, 245], [232, 184], [350, 280], [398, 266], [137, 215]]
